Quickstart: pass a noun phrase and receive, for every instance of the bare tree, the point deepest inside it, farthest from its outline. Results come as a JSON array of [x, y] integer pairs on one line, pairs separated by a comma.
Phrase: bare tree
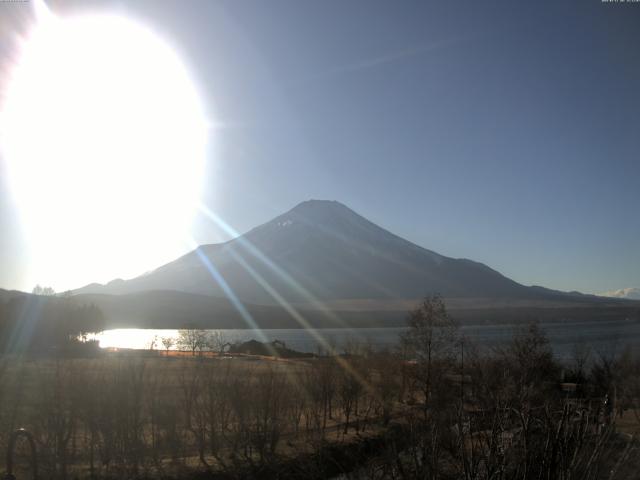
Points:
[[192, 340], [216, 341], [431, 342], [167, 343], [45, 291]]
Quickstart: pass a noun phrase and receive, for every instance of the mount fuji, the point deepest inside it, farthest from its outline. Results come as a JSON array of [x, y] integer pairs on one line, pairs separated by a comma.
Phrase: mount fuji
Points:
[[322, 251]]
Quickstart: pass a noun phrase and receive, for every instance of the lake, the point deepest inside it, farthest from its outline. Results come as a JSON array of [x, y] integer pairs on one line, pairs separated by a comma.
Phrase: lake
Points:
[[601, 336]]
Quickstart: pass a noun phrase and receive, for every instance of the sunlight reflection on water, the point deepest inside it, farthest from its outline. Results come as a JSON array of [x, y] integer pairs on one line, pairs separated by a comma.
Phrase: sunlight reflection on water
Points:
[[563, 336]]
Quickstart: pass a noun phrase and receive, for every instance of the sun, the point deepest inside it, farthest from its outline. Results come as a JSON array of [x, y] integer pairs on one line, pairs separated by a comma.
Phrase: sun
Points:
[[104, 139]]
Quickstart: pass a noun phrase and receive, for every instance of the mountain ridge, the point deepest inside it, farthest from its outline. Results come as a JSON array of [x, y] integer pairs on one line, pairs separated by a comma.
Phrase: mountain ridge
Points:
[[321, 250]]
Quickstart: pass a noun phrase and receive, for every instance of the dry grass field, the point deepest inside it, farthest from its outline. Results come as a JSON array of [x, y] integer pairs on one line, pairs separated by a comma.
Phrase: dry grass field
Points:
[[423, 410]]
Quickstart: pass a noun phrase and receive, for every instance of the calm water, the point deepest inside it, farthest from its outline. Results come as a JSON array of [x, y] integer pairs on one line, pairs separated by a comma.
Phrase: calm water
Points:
[[600, 336]]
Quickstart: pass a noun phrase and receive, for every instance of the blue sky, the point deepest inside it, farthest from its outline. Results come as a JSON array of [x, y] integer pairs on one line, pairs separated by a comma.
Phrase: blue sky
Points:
[[505, 132]]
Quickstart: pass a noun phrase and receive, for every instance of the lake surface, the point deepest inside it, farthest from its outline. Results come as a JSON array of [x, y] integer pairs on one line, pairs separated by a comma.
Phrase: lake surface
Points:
[[600, 336]]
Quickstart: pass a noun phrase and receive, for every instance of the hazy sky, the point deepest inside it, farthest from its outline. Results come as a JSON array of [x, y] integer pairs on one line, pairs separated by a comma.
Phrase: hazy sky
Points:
[[505, 132]]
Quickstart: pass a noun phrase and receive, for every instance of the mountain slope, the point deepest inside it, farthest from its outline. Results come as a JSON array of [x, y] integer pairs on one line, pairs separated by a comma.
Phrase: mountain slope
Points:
[[172, 309], [323, 250]]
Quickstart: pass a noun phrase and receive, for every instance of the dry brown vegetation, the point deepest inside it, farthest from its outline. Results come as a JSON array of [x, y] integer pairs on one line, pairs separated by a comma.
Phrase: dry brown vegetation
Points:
[[434, 408], [127, 417]]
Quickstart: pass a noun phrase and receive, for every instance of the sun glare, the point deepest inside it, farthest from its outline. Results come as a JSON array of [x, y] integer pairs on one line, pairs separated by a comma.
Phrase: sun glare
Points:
[[104, 138]]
